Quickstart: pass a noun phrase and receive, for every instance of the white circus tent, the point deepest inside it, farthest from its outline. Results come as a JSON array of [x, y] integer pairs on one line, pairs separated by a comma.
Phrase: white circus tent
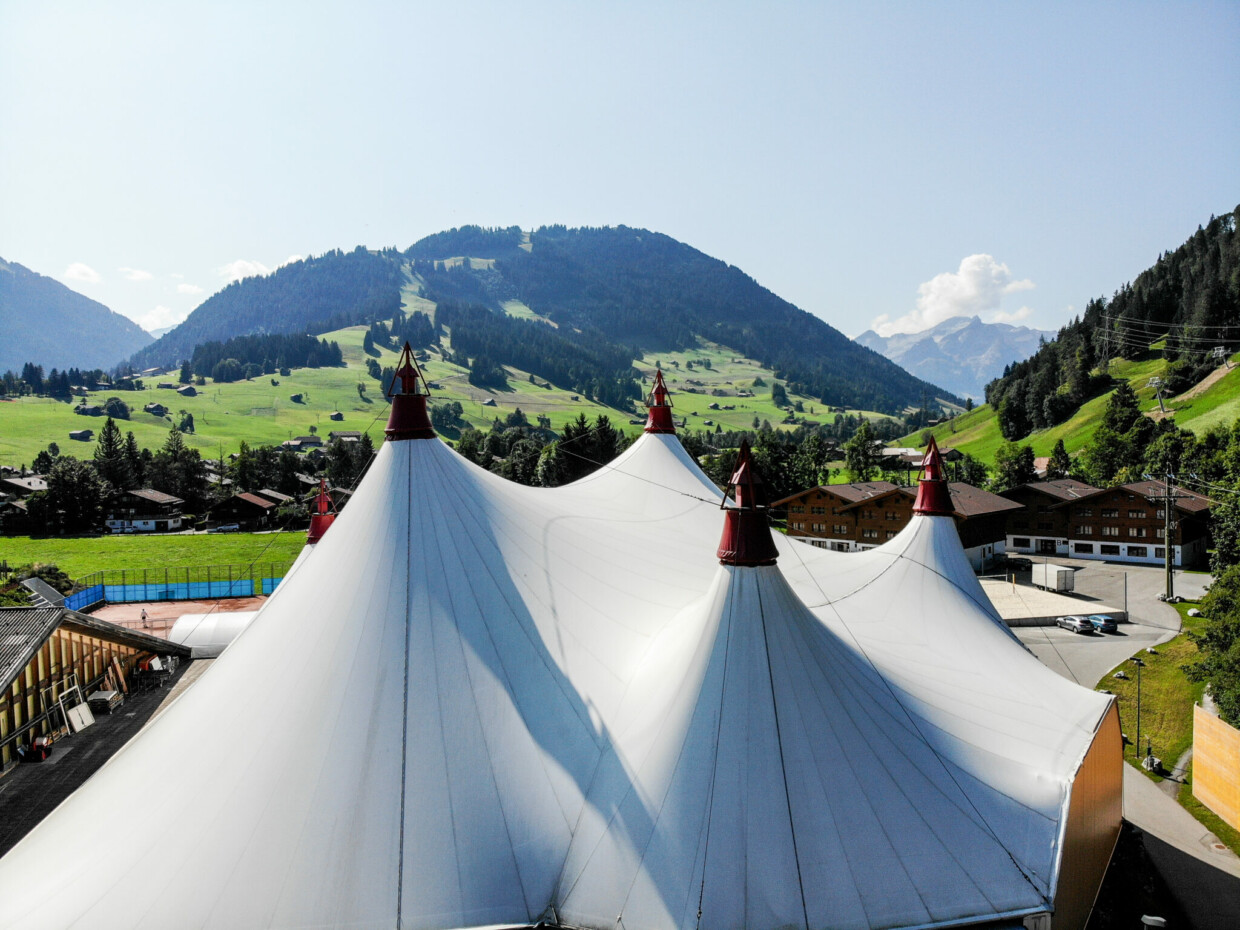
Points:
[[478, 704]]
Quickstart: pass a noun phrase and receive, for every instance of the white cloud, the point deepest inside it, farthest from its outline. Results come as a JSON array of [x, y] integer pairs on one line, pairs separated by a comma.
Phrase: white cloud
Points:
[[292, 260], [977, 288], [135, 274], [1002, 316], [188, 289], [242, 268], [161, 317], [79, 271]]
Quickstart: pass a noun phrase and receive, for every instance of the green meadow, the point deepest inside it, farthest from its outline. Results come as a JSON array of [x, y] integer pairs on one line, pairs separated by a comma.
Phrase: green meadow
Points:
[[262, 411], [1198, 409]]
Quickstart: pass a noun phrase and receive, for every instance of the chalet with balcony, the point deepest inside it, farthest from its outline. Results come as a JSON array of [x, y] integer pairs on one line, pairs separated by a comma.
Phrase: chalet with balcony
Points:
[[1121, 524], [248, 511], [144, 510], [852, 517]]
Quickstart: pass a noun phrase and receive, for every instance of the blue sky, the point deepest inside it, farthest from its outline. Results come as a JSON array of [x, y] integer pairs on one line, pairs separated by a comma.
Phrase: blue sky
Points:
[[890, 163]]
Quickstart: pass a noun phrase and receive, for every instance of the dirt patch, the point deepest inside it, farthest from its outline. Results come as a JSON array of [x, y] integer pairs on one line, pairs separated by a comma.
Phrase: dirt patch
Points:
[[161, 615]]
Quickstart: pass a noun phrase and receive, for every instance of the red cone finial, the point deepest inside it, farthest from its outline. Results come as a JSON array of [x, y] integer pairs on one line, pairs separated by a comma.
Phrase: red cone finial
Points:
[[933, 497], [659, 420], [746, 538], [408, 419], [322, 515]]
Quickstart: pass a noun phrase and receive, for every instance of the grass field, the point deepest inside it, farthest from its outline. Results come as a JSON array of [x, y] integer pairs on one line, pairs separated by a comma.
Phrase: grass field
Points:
[[262, 411], [1167, 697], [82, 555], [977, 432]]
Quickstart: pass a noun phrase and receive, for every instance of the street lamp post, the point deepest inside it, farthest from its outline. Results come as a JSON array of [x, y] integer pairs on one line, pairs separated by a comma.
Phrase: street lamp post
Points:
[[1140, 664]]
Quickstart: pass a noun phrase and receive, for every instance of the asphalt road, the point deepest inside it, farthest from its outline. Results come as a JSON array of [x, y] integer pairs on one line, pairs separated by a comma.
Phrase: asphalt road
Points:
[[1086, 657]]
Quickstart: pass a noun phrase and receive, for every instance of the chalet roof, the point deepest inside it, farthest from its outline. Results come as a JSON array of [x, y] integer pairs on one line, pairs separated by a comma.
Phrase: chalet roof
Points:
[[345, 434], [24, 629], [1190, 502], [154, 497], [967, 500], [254, 499], [273, 495], [1062, 489], [858, 491], [28, 485]]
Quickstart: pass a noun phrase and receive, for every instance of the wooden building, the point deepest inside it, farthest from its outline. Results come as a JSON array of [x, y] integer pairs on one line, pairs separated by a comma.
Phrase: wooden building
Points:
[[248, 511], [143, 510], [1122, 524], [851, 517], [42, 649]]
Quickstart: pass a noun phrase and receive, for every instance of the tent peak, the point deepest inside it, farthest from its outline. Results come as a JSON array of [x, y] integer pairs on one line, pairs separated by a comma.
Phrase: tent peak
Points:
[[933, 497], [746, 538], [408, 419], [659, 403], [322, 514]]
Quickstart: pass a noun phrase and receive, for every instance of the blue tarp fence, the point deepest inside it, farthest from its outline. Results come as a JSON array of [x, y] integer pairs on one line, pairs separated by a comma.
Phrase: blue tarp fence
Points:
[[177, 584]]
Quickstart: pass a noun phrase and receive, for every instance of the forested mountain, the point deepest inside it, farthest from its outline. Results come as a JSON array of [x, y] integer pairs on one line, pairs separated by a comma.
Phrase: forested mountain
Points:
[[310, 296], [962, 354], [1188, 304], [46, 323], [639, 288], [608, 293]]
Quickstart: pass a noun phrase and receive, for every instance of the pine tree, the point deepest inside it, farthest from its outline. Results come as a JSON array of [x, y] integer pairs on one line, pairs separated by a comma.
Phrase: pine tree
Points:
[[133, 459], [1060, 464], [110, 461]]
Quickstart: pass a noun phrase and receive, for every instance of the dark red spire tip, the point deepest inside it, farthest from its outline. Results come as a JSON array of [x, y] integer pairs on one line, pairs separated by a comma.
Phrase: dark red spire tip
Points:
[[322, 515], [933, 497], [746, 538], [659, 420], [408, 419]]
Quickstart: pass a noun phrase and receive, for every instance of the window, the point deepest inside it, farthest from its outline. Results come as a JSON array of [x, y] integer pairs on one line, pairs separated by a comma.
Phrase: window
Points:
[[797, 508], [818, 510], [891, 534], [1137, 532], [1161, 513], [1108, 550], [869, 534], [819, 527], [1112, 512], [1110, 531], [1138, 552], [1087, 548], [891, 515], [1084, 511], [867, 514], [1160, 533], [1136, 515], [797, 525], [1160, 552], [840, 529], [1084, 531], [1020, 543]]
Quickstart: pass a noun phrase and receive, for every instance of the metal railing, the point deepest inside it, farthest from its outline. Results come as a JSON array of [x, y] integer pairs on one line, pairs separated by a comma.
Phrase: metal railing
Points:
[[205, 582]]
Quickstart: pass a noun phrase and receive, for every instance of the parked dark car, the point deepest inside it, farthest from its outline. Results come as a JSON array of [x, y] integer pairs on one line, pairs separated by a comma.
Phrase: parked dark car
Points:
[[1103, 624]]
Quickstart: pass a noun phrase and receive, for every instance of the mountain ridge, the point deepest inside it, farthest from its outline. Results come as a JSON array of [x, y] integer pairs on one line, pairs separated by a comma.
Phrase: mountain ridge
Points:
[[36, 314], [619, 285], [961, 353]]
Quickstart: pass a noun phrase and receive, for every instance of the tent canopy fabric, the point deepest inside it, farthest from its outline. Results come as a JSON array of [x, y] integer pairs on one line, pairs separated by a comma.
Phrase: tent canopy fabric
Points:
[[476, 703]]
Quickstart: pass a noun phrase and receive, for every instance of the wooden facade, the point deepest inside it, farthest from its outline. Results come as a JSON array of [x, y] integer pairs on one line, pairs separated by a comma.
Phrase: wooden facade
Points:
[[851, 517], [43, 648], [1123, 524]]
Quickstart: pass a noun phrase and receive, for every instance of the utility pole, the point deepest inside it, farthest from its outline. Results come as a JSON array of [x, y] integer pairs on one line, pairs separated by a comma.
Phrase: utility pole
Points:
[[1157, 384], [1167, 500]]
